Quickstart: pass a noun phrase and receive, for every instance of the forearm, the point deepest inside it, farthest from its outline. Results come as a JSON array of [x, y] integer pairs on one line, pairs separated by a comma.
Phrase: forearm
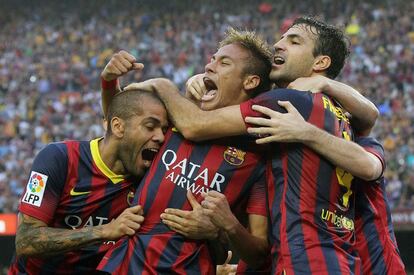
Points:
[[108, 90], [345, 154], [363, 111], [194, 123], [46, 241], [253, 250]]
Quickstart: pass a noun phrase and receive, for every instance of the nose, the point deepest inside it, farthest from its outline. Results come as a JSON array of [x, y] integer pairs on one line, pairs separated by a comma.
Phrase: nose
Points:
[[158, 136], [279, 45], [209, 68]]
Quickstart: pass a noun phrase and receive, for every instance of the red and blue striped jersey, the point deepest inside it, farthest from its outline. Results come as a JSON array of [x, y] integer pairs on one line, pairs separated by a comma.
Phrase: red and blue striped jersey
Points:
[[375, 239], [227, 166], [310, 200], [71, 187]]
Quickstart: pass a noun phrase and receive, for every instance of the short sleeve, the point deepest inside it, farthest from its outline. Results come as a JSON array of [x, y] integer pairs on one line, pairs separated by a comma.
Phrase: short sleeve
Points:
[[256, 203], [45, 184], [374, 147]]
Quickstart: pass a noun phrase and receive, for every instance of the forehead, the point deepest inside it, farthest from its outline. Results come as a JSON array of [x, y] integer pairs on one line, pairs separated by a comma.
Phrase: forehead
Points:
[[232, 51], [153, 109], [305, 32]]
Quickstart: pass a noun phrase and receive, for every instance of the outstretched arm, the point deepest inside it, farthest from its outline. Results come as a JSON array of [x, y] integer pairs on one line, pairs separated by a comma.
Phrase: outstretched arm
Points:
[[194, 123], [35, 238], [291, 127], [364, 113]]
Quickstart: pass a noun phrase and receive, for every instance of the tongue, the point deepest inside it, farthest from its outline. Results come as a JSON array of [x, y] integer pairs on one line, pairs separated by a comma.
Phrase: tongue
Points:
[[209, 95]]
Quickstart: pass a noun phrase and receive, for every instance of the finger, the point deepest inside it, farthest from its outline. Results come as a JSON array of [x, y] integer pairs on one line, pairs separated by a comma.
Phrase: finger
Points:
[[177, 212], [135, 209], [260, 131], [289, 107], [214, 194], [264, 110], [174, 226], [260, 121], [195, 93], [119, 65], [194, 203], [128, 56], [136, 218], [137, 66], [125, 62], [172, 218], [132, 225], [133, 86], [267, 140], [229, 256]]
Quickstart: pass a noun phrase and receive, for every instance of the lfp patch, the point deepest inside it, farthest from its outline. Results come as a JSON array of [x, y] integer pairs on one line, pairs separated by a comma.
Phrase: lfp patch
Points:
[[35, 189]]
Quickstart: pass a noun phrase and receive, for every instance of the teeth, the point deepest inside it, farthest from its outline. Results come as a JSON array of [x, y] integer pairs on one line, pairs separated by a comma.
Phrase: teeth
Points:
[[279, 60]]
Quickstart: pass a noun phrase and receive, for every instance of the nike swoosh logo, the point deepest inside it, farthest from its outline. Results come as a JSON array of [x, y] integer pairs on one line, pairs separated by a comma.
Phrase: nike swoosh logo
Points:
[[74, 193]]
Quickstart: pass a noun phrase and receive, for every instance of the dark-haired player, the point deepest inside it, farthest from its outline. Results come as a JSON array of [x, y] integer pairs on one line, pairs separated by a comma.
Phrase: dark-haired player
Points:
[[310, 202], [75, 204]]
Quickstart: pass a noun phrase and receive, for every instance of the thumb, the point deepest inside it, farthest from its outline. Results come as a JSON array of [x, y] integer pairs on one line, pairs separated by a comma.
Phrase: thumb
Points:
[[229, 256], [194, 203], [137, 209], [137, 66]]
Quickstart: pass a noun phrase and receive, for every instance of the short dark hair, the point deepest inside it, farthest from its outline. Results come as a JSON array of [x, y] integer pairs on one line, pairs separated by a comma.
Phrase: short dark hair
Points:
[[260, 60], [330, 41], [128, 104]]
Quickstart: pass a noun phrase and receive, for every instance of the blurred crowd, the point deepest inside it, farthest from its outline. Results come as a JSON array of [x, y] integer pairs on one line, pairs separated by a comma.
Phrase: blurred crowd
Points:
[[52, 53]]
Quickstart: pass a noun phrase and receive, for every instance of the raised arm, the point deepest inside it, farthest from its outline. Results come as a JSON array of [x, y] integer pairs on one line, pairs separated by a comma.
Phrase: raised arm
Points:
[[120, 64], [194, 123], [36, 238], [291, 127], [364, 113]]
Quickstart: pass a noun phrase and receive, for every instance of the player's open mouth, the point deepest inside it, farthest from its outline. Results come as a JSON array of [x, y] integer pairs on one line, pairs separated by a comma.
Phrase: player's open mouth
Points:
[[148, 154], [211, 89], [278, 60]]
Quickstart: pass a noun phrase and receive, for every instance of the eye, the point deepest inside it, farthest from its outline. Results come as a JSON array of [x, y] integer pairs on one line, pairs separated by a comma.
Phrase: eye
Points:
[[150, 126], [295, 43]]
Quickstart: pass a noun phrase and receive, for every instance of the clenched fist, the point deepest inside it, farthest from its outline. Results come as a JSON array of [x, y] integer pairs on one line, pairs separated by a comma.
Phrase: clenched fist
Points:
[[120, 64]]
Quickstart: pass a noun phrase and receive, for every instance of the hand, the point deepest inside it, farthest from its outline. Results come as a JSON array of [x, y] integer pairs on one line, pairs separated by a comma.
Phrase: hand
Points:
[[125, 224], [217, 208], [195, 88], [279, 127], [226, 268], [314, 84], [192, 224], [120, 64]]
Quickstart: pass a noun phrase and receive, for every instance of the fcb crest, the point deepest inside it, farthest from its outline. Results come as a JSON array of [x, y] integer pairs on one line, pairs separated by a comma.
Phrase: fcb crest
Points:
[[234, 156]]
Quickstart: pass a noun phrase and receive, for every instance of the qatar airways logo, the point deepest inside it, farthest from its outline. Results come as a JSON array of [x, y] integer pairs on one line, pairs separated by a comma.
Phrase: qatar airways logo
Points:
[[183, 174]]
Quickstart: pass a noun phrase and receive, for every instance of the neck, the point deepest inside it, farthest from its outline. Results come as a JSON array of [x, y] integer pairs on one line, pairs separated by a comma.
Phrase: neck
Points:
[[109, 155]]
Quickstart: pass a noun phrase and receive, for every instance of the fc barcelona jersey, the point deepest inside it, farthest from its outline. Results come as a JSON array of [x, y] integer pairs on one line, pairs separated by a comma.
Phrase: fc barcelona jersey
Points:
[[70, 187], [311, 201], [226, 166]]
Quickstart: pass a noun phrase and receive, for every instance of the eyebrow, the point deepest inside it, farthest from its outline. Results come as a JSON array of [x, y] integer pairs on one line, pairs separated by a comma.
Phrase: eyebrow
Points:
[[155, 121], [294, 35], [221, 57]]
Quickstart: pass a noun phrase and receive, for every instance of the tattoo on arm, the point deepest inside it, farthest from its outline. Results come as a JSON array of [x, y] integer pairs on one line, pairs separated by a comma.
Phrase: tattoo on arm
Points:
[[34, 238]]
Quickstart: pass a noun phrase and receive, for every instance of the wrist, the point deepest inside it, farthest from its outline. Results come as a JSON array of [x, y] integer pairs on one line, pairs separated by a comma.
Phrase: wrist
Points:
[[231, 227], [109, 84]]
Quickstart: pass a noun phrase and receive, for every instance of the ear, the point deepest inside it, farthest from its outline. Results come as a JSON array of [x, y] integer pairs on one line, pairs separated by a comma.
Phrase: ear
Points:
[[251, 82], [322, 63], [117, 127]]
